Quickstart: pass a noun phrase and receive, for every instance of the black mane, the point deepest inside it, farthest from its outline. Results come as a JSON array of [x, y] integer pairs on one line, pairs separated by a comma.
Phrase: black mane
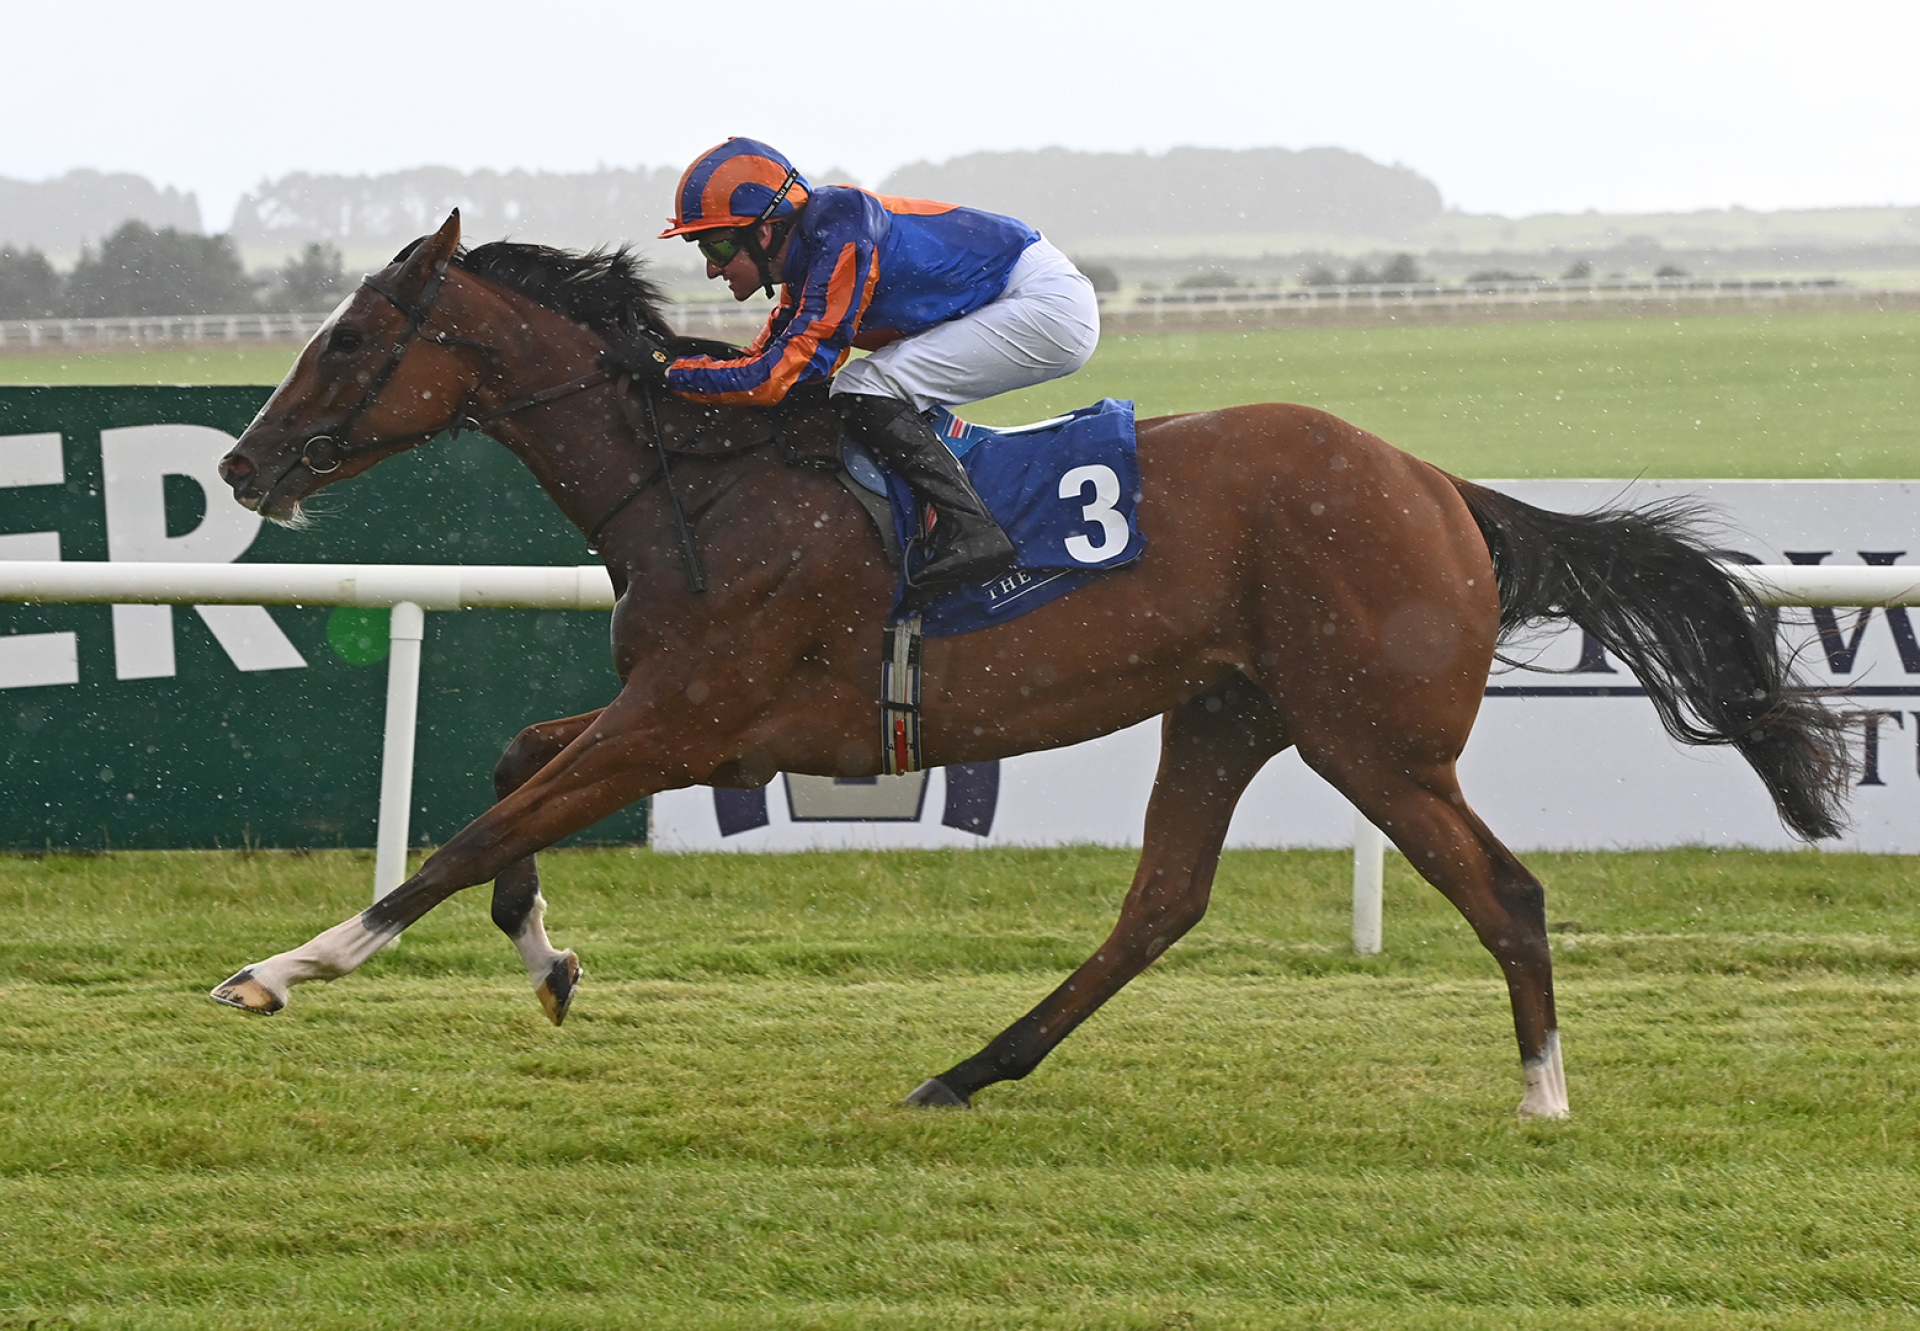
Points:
[[601, 289]]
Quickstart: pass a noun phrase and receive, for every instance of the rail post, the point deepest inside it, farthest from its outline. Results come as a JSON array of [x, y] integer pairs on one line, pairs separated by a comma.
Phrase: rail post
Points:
[[1369, 876], [406, 628]]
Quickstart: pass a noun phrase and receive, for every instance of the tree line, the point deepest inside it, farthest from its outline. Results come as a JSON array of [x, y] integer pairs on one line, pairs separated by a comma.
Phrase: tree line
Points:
[[1079, 196], [142, 270]]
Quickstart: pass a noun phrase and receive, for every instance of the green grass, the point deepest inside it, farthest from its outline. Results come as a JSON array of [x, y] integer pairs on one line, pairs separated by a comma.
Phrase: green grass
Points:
[[1262, 1131], [210, 364], [1787, 395], [1784, 395]]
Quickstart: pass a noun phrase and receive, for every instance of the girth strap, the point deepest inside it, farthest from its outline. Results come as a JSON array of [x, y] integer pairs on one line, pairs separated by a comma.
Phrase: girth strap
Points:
[[900, 698]]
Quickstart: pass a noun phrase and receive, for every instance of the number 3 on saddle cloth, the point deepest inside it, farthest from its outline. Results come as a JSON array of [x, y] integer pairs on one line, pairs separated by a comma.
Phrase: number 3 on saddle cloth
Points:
[[1065, 490]]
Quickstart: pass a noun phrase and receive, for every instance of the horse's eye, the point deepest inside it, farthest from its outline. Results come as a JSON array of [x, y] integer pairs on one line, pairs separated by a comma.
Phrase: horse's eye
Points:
[[344, 340]]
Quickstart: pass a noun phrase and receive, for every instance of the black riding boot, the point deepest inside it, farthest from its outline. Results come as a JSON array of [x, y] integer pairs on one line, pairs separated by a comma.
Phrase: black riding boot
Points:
[[968, 545]]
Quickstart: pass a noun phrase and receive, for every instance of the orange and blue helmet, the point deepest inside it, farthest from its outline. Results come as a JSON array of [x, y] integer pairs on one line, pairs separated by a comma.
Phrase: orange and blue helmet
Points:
[[738, 184]]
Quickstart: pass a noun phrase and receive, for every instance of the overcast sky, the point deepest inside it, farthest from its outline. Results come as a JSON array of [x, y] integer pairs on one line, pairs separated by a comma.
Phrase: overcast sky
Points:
[[1510, 106]]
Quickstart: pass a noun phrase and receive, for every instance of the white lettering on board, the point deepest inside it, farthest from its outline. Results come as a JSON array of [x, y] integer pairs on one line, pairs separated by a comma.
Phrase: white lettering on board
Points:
[[136, 461], [29, 660]]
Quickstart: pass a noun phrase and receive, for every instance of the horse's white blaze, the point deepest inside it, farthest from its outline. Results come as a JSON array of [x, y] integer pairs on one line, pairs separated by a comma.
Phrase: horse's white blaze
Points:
[[325, 957], [1546, 1081], [535, 950], [326, 328]]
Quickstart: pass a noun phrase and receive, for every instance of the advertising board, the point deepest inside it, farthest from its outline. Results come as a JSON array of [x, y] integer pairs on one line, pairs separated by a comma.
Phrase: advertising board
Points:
[[176, 726]]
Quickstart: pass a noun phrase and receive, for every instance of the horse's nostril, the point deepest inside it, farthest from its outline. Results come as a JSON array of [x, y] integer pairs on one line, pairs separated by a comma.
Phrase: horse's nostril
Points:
[[235, 469]]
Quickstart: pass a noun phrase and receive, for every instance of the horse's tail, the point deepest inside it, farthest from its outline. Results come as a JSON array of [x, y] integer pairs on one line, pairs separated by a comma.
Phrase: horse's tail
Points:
[[1643, 585]]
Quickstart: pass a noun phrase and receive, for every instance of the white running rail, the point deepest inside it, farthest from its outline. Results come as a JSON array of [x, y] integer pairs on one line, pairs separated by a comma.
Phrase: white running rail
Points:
[[412, 589], [429, 586], [409, 589]]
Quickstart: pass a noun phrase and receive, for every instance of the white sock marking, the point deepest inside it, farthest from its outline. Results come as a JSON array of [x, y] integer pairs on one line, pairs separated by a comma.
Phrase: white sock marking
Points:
[[325, 957], [1546, 1083], [538, 954]]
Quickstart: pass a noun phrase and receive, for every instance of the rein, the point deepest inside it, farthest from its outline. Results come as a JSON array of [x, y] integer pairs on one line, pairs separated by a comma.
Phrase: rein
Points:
[[327, 452], [663, 472], [696, 575]]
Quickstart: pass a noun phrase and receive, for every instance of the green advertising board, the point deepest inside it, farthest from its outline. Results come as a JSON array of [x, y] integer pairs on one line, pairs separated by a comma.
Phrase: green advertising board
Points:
[[158, 726]]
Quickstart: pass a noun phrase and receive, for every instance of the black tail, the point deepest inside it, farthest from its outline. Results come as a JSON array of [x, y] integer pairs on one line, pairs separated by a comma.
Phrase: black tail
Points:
[[1641, 583]]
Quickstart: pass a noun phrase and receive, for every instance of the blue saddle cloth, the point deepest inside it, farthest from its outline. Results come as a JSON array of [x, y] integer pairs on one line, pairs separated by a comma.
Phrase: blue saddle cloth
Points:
[[1065, 490]]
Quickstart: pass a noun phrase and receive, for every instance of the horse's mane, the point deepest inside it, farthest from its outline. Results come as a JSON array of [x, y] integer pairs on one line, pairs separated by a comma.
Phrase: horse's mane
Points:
[[601, 289]]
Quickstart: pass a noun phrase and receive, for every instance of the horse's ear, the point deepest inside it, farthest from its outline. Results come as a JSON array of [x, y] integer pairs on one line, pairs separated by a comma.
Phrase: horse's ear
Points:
[[427, 256]]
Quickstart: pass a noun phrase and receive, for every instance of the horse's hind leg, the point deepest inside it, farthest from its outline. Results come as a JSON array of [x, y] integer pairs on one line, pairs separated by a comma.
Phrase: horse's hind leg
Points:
[[518, 907], [1210, 748], [1421, 808]]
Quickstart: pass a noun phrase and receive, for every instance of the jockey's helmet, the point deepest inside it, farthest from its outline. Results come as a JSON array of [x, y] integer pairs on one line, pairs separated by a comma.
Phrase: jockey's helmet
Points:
[[740, 183]]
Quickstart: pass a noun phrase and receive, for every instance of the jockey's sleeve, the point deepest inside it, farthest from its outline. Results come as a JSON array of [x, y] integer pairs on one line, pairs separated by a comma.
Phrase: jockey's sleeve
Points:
[[806, 339], [775, 325]]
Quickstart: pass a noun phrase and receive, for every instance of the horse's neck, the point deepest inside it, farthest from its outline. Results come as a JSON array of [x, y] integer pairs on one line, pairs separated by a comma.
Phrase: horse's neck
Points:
[[581, 450], [594, 456]]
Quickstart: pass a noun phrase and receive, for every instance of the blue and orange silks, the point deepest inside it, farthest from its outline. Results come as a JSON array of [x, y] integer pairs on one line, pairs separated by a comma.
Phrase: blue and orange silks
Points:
[[862, 270]]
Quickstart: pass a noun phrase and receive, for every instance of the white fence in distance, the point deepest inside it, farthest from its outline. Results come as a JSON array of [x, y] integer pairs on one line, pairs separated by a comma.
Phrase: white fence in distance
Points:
[[410, 589], [1230, 303], [728, 320], [158, 330]]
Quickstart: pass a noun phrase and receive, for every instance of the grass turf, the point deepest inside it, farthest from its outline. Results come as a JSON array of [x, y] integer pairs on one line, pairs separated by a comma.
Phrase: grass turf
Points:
[[1792, 394], [1263, 1130]]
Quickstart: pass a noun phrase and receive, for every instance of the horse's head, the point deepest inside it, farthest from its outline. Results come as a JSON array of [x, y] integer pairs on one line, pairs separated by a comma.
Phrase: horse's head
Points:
[[375, 380]]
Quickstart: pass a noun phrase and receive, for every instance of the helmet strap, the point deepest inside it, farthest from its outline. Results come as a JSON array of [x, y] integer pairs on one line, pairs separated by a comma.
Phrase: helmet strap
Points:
[[762, 261]]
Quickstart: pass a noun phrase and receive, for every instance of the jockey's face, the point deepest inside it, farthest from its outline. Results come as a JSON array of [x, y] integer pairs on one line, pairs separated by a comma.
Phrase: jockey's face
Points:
[[742, 274]]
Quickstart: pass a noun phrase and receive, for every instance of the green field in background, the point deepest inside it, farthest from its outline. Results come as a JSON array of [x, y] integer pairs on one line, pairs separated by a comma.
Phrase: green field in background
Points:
[[1788, 395], [1781, 395], [1263, 1130], [209, 363]]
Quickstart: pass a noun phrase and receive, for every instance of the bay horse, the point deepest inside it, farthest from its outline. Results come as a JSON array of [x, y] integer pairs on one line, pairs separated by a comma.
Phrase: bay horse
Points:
[[1307, 585]]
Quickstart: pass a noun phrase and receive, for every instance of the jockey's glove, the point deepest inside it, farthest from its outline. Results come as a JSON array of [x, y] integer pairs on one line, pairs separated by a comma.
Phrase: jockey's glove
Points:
[[640, 356]]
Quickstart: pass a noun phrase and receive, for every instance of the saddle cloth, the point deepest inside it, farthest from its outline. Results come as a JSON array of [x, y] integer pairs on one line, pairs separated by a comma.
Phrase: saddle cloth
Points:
[[1065, 490]]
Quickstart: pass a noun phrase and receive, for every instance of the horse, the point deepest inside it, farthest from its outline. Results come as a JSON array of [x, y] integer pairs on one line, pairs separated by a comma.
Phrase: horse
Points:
[[1307, 585]]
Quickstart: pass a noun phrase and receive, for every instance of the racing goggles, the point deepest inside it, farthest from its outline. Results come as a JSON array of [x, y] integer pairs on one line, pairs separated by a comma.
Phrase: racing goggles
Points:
[[720, 248]]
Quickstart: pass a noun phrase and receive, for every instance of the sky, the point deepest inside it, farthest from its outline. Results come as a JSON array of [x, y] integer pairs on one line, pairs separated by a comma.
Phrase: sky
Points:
[[1509, 106]]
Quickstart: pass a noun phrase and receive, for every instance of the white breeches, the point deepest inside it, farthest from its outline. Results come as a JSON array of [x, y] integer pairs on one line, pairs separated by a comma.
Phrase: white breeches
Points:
[[1044, 325]]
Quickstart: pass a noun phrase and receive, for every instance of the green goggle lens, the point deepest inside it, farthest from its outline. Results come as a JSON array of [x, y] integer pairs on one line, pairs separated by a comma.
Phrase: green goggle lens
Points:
[[719, 249]]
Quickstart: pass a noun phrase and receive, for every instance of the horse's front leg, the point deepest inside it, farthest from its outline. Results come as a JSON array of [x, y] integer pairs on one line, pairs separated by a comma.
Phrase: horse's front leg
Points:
[[518, 907], [632, 749]]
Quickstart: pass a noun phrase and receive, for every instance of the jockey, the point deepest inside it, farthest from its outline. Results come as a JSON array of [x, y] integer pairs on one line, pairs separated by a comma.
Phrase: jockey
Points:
[[952, 304]]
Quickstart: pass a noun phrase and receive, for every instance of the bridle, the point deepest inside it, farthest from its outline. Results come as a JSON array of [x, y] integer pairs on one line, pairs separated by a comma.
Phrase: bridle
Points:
[[326, 452]]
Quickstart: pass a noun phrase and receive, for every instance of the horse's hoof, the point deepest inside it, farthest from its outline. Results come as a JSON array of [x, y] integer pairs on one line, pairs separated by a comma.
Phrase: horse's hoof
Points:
[[556, 991], [247, 994], [936, 1094]]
